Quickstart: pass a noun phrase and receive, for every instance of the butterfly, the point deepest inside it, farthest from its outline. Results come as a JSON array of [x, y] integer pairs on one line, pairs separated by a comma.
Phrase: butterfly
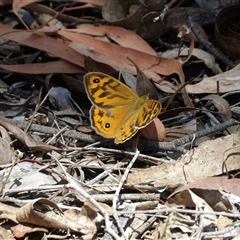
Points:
[[117, 111]]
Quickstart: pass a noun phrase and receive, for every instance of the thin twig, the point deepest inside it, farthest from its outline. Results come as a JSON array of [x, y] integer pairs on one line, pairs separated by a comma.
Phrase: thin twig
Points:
[[74, 185], [116, 195], [38, 105], [175, 146], [166, 209], [209, 46]]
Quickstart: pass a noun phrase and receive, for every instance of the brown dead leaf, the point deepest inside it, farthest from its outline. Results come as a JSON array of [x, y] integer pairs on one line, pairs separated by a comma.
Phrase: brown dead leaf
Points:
[[188, 198], [216, 183], [118, 13], [221, 104], [214, 198], [44, 213], [223, 107], [206, 159], [5, 135], [223, 221], [122, 36], [8, 212], [154, 131], [85, 219], [60, 66], [228, 81], [27, 139], [40, 8], [44, 43], [227, 37], [5, 234], [115, 56], [209, 190], [108, 53], [143, 85], [16, 5], [21, 230], [6, 154]]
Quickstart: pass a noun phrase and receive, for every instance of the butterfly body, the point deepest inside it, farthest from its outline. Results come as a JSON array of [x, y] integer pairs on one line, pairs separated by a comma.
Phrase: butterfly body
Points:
[[117, 111]]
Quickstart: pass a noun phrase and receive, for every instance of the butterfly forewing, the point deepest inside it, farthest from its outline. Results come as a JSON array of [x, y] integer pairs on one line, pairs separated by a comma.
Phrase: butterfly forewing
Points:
[[105, 91]]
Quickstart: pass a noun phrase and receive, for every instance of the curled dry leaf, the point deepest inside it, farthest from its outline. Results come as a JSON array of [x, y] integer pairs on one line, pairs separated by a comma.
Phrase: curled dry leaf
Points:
[[221, 104], [84, 220], [227, 38], [44, 213], [223, 107], [189, 199], [208, 189], [154, 131]]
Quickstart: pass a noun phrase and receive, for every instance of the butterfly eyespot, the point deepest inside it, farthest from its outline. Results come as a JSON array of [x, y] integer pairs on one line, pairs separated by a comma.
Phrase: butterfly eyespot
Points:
[[107, 125], [96, 80]]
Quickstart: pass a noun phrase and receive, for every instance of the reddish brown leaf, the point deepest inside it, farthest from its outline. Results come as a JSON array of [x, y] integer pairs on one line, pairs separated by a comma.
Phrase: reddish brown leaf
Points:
[[44, 43], [122, 36], [155, 131], [45, 68]]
